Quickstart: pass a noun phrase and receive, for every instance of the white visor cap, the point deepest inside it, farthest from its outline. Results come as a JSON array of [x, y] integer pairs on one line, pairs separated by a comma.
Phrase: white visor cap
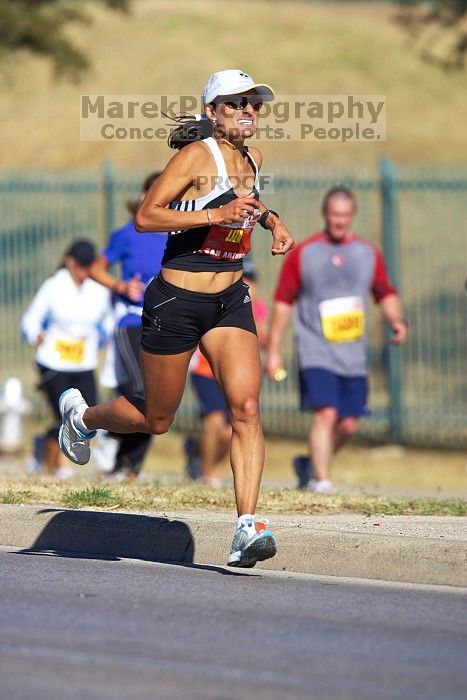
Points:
[[234, 82]]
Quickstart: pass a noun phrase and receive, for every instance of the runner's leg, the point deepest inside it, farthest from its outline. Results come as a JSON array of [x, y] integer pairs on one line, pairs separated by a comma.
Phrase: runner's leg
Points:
[[321, 440], [345, 429], [215, 444], [239, 375], [164, 381]]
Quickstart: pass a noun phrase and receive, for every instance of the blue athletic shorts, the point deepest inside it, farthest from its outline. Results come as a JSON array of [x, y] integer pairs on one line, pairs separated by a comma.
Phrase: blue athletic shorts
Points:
[[209, 395], [320, 388]]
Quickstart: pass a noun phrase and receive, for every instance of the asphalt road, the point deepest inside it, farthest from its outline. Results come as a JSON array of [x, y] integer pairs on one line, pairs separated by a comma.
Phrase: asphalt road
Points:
[[83, 628]]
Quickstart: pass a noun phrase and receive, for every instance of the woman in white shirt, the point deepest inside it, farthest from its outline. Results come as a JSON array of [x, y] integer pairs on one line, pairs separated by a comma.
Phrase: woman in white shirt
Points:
[[68, 320]]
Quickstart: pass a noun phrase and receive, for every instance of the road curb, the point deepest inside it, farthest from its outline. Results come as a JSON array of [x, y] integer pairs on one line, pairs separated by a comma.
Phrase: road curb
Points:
[[306, 544]]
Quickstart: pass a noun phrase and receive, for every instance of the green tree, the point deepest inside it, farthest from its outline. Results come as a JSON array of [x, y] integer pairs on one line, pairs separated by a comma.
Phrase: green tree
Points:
[[438, 29], [39, 26]]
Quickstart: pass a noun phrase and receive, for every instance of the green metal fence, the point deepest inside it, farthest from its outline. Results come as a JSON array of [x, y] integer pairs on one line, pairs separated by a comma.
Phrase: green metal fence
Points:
[[416, 215]]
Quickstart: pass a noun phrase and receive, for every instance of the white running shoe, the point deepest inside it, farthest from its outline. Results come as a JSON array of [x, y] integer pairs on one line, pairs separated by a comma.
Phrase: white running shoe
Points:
[[73, 443], [324, 486], [105, 451], [64, 473], [252, 545]]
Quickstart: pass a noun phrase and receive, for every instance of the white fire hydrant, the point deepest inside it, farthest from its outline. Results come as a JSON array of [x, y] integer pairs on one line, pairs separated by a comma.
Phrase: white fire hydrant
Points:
[[13, 406]]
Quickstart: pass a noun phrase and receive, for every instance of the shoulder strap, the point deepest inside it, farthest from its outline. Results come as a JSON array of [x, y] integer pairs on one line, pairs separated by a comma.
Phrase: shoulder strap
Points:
[[253, 163], [213, 146]]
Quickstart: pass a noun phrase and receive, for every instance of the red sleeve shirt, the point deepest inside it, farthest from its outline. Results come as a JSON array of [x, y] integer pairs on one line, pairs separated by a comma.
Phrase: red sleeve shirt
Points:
[[289, 282], [382, 285]]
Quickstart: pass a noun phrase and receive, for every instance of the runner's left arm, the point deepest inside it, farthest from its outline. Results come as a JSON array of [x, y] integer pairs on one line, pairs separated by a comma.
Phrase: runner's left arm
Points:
[[391, 309], [282, 240], [388, 300]]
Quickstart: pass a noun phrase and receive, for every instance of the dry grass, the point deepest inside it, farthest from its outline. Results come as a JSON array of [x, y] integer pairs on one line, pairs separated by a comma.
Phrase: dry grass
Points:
[[300, 48], [158, 497], [408, 482]]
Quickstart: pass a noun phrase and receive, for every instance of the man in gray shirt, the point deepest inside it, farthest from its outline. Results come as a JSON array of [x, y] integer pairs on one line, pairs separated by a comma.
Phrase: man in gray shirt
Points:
[[329, 278]]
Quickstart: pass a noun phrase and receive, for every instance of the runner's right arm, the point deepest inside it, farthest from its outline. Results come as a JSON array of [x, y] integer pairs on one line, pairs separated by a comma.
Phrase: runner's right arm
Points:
[[133, 289], [32, 321], [176, 179]]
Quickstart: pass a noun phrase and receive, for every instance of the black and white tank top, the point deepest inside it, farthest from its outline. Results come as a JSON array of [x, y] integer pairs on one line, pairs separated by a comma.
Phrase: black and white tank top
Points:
[[218, 247]]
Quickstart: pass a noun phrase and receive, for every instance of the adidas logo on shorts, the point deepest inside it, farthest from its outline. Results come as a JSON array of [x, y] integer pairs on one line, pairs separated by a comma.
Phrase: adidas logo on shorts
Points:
[[246, 299]]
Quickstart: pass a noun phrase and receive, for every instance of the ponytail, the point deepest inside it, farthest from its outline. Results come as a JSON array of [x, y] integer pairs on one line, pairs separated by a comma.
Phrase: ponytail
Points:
[[191, 128]]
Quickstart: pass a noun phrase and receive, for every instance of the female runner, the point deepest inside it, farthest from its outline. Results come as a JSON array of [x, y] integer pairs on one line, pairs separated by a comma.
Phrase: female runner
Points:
[[207, 199]]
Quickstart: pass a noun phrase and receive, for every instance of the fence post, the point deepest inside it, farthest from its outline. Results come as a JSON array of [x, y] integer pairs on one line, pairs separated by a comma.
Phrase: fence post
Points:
[[108, 181], [390, 236]]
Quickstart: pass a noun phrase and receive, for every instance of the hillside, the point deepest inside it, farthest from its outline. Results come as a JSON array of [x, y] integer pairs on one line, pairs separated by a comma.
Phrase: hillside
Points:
[[299, 48]]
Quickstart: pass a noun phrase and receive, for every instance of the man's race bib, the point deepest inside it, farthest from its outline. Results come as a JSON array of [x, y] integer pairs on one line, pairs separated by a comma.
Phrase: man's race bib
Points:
[[71, 350], [230, 241], [342, 319]]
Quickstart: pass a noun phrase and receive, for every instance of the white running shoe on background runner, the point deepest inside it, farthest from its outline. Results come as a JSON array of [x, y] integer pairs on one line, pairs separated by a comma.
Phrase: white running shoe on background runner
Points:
[[73, 442], [252, 544], [324, 486]]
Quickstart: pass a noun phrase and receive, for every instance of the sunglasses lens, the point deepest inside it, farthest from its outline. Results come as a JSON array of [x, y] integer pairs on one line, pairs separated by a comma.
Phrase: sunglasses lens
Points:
[[242, 101]]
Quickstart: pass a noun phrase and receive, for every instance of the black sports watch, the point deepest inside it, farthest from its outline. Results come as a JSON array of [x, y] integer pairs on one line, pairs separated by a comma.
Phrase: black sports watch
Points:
[[264, 216]]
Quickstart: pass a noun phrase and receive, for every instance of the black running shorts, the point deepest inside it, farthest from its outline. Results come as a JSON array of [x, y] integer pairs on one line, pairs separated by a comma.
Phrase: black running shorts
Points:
[[174, 320]]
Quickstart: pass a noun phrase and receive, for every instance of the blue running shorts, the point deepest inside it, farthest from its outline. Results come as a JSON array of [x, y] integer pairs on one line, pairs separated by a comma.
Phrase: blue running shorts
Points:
[[321, 387]]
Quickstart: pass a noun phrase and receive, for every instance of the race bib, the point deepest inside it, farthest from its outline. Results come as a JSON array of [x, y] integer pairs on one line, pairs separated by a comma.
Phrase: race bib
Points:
[[71, 350], [230, 242], [342, 319]]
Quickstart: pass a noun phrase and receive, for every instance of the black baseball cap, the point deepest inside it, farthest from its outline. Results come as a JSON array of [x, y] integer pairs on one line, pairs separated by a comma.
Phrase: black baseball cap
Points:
[[83, 251]]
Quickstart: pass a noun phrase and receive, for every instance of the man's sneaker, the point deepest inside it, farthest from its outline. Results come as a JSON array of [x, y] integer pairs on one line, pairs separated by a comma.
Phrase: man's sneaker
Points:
[[303, 469], [73, 443], [193, 468], [251, 545]]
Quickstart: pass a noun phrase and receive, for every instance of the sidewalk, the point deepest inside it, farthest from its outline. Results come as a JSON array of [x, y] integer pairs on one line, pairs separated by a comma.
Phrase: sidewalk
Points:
[[428, 550]]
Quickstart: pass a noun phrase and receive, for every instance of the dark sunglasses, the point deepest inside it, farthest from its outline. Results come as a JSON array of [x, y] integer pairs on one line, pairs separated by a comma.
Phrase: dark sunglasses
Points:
[[242, 101]]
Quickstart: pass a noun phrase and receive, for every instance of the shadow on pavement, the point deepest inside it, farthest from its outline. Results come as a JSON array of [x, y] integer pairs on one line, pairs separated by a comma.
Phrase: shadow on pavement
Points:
[[115, 535], [112, 536]]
